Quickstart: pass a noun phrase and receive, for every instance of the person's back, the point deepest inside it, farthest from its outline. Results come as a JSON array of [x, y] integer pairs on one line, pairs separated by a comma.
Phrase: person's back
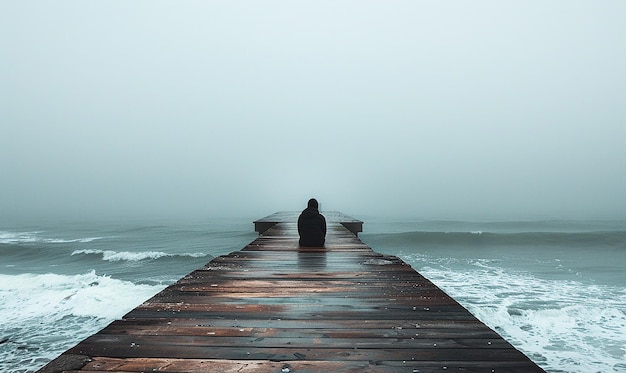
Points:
[[312, 226]]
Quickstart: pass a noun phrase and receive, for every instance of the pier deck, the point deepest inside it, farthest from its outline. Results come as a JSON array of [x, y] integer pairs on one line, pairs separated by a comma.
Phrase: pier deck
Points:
[[276, 307]]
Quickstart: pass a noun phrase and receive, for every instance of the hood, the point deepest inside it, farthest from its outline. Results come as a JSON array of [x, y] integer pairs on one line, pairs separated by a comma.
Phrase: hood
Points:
[[309, 212]]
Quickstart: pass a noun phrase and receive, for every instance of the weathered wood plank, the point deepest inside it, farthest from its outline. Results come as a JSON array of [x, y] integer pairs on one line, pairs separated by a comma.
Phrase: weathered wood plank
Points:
[[345, 324], [113, 348], [199, 330], [255, 366], [274, 306], [316, 341]]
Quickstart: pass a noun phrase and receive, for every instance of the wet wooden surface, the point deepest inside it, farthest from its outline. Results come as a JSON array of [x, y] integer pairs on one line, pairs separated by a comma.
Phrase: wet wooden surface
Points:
[[276, 307]]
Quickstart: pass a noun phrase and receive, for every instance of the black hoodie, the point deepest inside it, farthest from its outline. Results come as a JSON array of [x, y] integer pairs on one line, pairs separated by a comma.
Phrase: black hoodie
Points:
[[312, 228]]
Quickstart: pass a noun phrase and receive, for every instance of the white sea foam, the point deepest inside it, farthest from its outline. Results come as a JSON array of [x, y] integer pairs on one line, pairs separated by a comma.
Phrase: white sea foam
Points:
[[115, 256], [49, 313], [562, 325], [34, 237]]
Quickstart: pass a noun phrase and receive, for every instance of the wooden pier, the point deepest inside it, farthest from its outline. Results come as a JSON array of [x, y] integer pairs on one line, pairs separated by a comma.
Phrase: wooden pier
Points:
[[276, 307]]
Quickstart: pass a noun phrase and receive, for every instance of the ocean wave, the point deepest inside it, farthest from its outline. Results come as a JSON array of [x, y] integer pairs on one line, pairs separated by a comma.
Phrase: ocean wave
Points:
[[604, 238], [562, 324], [89, 294], [36, 237], [115, 256], [49, 313]]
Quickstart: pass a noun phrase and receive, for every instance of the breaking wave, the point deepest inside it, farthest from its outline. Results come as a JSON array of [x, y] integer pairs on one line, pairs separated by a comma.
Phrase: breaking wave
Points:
[[49, 313], [14, 238], [115, 256]]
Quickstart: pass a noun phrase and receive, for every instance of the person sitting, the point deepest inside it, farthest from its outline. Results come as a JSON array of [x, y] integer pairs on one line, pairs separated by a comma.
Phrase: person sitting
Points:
[[312, 226]]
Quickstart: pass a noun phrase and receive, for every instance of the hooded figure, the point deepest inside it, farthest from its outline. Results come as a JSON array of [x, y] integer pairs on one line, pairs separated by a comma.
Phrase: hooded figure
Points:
[[312, 226]]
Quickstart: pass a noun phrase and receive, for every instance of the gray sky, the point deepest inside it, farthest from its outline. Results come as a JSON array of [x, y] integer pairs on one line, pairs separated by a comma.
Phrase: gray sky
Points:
[[395, 108]]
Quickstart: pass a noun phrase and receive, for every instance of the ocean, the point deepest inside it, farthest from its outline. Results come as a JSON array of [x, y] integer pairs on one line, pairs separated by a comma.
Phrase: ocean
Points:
[[555, 289]]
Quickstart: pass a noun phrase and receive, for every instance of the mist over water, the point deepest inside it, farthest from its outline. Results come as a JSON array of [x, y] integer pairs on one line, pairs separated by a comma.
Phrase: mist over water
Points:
[[445, 111]]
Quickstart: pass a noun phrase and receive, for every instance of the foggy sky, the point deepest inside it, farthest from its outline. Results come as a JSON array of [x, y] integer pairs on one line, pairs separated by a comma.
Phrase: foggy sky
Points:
[[395, 108]]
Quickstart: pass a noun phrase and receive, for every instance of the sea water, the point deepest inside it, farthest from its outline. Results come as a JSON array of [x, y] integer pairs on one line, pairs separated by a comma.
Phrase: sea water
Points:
[[555, 289]]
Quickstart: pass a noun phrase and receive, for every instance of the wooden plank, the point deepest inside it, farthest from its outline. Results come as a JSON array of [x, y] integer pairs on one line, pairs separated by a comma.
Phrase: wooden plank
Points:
[[274, 306], [257, 332], [218, 365]]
